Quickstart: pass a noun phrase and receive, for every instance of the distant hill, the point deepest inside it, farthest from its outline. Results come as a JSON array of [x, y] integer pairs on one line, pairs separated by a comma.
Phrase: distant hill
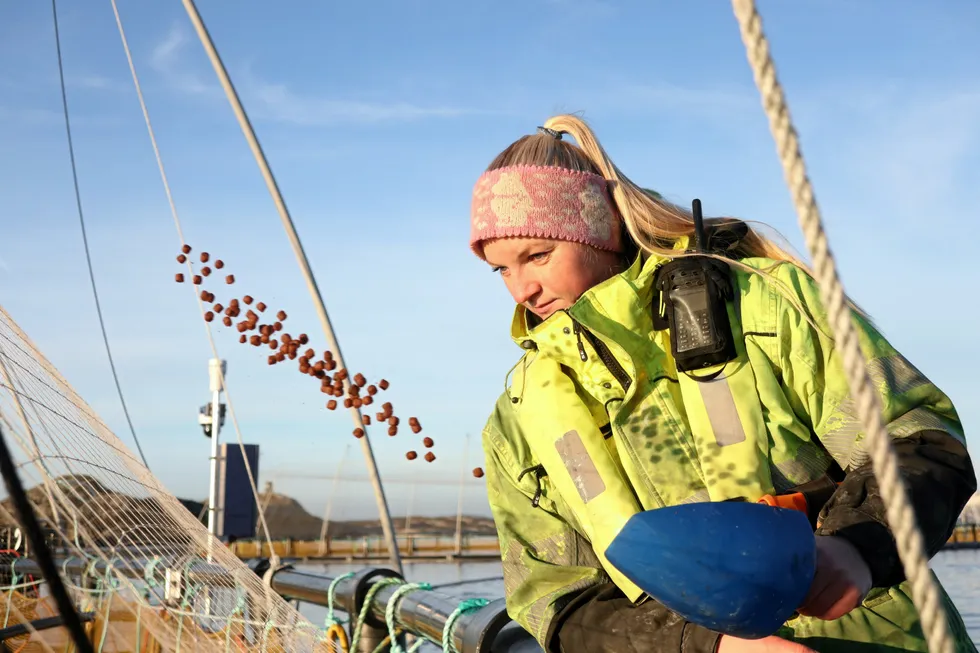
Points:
[[94, 503], [284, 515]]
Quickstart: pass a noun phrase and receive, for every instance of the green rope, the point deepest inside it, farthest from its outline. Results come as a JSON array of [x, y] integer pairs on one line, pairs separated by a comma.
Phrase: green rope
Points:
[[106, 585], [265, 635], [89, 571], [228, 632], [390, 617], [15, 585], [331, 595], [150, 570], [105, 626], [111, 581], [239, 608], [317, 634], [139, 623], [468, 605], [366, 607], [10, 600], [93, 594], [192, 590]]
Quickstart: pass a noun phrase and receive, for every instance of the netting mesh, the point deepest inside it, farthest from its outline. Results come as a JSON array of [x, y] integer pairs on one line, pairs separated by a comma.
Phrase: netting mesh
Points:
[[136, 551]]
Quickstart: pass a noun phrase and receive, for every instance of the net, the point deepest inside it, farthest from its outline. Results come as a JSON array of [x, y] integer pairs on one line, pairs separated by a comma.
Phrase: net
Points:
[[143, 571]]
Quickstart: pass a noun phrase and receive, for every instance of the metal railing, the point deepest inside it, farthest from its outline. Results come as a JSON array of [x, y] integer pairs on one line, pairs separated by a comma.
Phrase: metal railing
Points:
[[417, 546], [422, 613]]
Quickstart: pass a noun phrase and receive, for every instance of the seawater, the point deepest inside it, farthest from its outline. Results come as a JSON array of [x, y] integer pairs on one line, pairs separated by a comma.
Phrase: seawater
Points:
[[958, 571]]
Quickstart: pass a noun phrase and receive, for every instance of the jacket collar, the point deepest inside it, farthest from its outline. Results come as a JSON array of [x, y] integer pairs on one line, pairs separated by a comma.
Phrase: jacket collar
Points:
[[624, 299]]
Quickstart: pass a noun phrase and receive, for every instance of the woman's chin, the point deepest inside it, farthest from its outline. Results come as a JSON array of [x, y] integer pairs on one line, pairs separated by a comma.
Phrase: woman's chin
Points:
[[546, 311]]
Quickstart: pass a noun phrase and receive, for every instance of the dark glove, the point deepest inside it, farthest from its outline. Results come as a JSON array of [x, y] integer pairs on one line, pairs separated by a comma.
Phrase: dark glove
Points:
[[939, 476], [602, 620]]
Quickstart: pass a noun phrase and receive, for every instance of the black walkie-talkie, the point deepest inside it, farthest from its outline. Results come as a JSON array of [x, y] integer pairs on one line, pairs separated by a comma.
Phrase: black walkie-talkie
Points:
[[694, 291]]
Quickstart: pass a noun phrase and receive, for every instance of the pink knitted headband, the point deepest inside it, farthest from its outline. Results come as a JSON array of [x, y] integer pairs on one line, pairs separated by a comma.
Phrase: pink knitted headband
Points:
[[544, 202]]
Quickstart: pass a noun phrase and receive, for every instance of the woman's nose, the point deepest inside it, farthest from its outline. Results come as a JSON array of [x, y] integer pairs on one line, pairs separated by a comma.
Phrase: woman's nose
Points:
[[525, 289]]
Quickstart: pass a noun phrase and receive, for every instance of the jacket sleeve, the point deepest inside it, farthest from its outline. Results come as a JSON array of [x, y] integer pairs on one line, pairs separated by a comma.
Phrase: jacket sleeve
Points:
[[927, 434], [545, 561], [602, 620], [554, 583]]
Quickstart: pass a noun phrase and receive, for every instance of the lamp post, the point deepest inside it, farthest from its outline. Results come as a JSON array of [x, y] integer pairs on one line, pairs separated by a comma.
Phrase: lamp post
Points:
[[211, 418]]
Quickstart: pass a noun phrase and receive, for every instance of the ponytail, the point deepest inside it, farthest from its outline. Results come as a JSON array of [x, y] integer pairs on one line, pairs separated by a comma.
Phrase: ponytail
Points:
[[655, 224]]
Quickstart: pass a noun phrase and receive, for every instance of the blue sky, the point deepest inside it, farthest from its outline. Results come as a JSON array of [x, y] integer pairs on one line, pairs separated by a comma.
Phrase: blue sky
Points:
[[377, 118]]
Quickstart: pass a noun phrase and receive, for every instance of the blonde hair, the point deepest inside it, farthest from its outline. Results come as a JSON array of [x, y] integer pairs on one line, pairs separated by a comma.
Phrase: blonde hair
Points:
[[654, 224]]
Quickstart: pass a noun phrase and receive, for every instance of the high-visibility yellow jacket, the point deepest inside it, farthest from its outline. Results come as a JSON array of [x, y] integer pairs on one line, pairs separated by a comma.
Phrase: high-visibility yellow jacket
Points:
[[597, 425]]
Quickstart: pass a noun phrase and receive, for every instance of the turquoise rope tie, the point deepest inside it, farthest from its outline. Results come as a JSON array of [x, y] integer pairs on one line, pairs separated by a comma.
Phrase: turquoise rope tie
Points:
[[150, 570], [469, 605], [239, 609], [139, 622], [10, 600], [89, 574], [105, 628], [186, 602], [110, 579], [407, 588], [368, 599], [265, 635], [105, 588], [331, 596], [15, 585]]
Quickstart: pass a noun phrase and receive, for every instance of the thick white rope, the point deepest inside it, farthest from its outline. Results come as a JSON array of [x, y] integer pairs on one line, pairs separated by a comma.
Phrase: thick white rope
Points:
[[200, 302], [925, 590]]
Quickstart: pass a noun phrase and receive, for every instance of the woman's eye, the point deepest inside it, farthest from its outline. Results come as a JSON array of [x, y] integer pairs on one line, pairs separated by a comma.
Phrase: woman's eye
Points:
[[497, 268], [537, 256]]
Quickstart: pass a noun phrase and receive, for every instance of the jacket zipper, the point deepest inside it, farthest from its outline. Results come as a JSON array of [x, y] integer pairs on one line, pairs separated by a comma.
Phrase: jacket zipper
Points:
[[604, 355], [578, 337]]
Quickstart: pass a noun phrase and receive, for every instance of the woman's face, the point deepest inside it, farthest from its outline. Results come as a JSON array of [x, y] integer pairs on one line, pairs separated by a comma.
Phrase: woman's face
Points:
[[549, 275]]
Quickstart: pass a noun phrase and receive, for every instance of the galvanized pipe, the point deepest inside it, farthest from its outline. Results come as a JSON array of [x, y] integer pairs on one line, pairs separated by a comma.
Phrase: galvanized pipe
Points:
[[422, 612], [201, 572]]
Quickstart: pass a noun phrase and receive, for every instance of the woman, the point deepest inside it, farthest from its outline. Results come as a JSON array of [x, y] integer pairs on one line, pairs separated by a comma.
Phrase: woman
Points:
[[597, 423]]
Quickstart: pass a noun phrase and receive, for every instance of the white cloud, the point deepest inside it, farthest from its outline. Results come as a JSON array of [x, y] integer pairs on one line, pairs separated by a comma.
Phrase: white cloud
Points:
[[96, 82], [584, 8], [723, 102], [166, 59], [907, 150], [278, 103], [919, 149], [29, 116]]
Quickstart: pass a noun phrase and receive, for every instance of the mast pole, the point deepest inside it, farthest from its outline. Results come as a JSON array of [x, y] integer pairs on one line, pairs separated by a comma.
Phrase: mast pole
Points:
[[304, 264]]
